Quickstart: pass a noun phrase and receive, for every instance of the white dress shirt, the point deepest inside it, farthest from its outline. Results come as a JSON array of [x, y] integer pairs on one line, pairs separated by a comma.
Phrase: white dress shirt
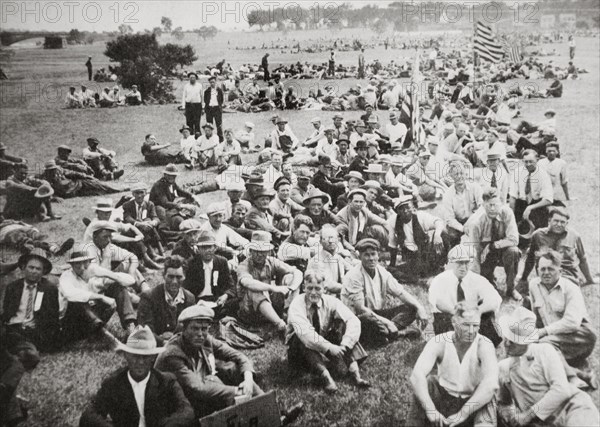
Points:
[[192, 93], [477, 289], [139, 392]]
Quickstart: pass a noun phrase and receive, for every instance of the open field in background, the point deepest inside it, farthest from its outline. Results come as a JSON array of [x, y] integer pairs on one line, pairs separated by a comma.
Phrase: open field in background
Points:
[[33, 123]]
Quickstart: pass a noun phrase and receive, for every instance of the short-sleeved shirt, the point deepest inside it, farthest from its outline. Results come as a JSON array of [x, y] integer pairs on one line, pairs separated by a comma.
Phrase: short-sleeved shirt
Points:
[[557, 169]]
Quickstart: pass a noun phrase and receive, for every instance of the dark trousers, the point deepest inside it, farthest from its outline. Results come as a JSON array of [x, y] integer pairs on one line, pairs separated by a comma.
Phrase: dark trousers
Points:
[[507, 258], [425, 261], [302, 358], [215, 115], [80, 319], [442, 322], [448, 405], [402, 316], [90, 74], [267, 75], [193, 113]]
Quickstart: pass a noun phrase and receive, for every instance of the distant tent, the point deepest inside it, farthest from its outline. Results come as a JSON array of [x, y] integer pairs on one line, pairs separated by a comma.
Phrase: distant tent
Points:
[[54, 42]]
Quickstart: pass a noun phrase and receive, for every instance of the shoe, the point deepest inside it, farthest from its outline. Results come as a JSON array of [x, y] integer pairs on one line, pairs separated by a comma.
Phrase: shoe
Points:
[[409, 332], [67, 244], [592, 380], [292, 414], [331, 387], [516, 295], [189, 166], [118, 174], [55, 217], [360, 383], [86, 221]]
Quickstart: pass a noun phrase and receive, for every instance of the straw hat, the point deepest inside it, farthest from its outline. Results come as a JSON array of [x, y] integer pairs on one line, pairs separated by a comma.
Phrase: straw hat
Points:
[[519, 326], [261, 241]]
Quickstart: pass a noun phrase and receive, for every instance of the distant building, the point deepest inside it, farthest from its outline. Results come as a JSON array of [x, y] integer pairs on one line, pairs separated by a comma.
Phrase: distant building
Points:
[[54, 42]]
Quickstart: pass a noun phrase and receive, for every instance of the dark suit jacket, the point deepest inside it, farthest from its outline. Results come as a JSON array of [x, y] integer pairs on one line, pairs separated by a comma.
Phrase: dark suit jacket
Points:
[[328, 185], [207, 97], [194, 277], [46, 318], [130, 212], [156, 313], [164, 405], [160, 194]]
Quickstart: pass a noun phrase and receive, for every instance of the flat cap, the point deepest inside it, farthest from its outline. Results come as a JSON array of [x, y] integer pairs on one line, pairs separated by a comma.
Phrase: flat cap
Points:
[[196, 312]]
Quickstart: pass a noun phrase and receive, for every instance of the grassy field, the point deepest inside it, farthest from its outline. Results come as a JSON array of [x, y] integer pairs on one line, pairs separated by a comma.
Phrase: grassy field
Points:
[[33, 123]]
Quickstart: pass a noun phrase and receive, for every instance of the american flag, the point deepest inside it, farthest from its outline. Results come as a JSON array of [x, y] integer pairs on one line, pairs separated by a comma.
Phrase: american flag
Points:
[[486, 44], [409, 113], [512, 50]]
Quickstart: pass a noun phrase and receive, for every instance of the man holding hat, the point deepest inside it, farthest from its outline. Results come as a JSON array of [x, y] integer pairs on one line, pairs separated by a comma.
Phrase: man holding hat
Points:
[[28, 197], [366, 289], [462, 392], [282, 137], [205, 366], [89, 295], [101, 161], [395, 131], [159, 154], [169, 198], [158, 399], [191, 103], [228, 152], [458, 284], [246, 137], [492, 231], [68, 183], [31, 307], [66, 161], [204, 147], [208, 276], [213, 104], [421, 238], [534, 388], [255, 277]]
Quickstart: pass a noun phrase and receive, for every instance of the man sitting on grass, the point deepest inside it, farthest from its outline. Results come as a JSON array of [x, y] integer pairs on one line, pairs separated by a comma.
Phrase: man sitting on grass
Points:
[[139, 395], [321, 331], [255, 276], [534, 389], [366, 288], [462, 392], [212, 374]]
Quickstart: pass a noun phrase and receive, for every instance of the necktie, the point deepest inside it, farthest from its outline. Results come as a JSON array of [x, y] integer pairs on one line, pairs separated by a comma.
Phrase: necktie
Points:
[[528, 188], [494, 182], [29, 309], [139, 213], [495, 230], [315, 318], [460, 292]]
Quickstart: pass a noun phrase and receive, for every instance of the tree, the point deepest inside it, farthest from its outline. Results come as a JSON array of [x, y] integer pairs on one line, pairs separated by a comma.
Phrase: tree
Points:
[[157, 31], [207, 32], [145, 63], [125, 29], [171, 55], [178, 33], [75, 36], [166, 23], [256, 17]]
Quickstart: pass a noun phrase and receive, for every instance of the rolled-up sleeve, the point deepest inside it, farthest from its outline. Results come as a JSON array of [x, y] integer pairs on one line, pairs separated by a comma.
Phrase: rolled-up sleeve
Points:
[[303, 329], [71, 288], [352, 291], [560, 390]]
